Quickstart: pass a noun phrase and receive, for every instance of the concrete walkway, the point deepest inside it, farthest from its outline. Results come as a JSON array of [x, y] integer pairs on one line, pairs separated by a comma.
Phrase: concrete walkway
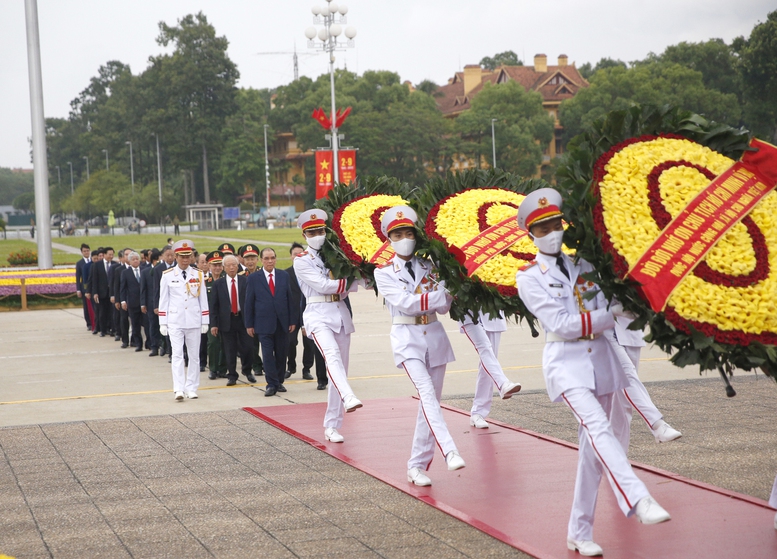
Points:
[[97, 460]]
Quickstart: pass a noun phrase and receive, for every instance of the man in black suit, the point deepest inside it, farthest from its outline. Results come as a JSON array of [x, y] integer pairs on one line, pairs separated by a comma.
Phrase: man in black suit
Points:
[[270, 315], [80, 280], [166, 261], [100, 290], [120, 317], [130, 298], [296, 296], [226, 320], [147, 302]]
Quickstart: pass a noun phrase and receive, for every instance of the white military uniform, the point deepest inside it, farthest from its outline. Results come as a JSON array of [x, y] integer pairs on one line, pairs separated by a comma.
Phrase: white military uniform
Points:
[[420, 346], [584, 373], [183, 308], [328, 323], [485, 337]]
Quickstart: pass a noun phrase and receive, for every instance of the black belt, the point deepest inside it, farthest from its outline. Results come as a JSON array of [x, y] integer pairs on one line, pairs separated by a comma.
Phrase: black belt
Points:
[[239, 313]]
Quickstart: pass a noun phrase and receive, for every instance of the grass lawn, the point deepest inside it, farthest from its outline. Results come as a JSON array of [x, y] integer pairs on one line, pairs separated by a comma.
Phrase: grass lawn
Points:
[[7, 247]]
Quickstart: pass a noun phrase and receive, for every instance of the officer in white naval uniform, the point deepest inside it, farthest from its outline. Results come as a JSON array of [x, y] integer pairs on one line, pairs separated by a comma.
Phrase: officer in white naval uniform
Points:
[[581, 369], [628, 344], [327, 320], [414, 297], [485, 336], [184, 316], [773, 501]]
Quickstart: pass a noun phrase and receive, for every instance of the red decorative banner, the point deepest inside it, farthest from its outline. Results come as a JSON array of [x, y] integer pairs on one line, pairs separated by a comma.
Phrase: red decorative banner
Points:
[[324, 173], [347, 168], [383, 255], [684, 243], [489, 243]]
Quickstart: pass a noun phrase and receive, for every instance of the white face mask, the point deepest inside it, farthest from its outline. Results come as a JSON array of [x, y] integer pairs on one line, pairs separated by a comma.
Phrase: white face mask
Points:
[[550, 243], [405, 247], [316, 242]]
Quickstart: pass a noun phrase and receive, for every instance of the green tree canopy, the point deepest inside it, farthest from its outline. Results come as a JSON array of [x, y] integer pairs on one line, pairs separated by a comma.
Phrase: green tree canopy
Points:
[[14, 183], [506, 58], [714, 59], [586, 70]]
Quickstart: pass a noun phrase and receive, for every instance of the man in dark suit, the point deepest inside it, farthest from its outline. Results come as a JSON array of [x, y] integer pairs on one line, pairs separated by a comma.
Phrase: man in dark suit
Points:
[[166, 261], [87, 273], [147, 302], [271, 315], [227, 307], [296, 296], [120, 317], [80, 291], [130, 298], [100, 290]]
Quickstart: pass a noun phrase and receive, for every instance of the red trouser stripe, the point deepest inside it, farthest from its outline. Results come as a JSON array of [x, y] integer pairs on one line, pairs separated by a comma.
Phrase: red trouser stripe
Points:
[[327, 366], [421, 402]]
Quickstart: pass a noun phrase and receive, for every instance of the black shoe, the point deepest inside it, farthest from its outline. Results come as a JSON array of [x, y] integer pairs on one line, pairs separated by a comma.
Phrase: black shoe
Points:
[[259, 373], [154, 353], [95, 332], [124, 346], [306, 376], [162, 352], [251, 378], [212, 376], [222, 375], [281, 388], [289, 373], [169, 358], [117, 338], [202, 368], [102, 334], [139, 348], [231, 382], [270, 391], [321, 386]]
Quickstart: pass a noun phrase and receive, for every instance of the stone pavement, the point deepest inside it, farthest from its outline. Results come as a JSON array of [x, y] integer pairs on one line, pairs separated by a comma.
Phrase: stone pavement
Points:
[[97, 460]]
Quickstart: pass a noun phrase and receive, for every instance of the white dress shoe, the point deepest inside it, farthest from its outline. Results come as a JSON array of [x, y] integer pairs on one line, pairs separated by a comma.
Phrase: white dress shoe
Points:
[[332, 435], [192, 395], [478, 422], [508, 389], [417, 477], [587, 548], [454, 460], [648, 511], [351, 403], [663, 432], [179, 396]]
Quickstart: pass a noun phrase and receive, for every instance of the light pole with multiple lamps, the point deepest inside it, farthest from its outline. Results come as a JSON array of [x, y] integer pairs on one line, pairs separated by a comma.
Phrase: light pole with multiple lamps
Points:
[[332, 17], [493, 141], [132, 178]]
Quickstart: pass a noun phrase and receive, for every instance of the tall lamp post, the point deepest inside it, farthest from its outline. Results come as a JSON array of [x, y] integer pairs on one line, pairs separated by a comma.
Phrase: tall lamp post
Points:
[[493, 141], [72, 190], [266, 170], [132, 178], [59, 178], [107, 167], [87, 166], [158, 168], [327, 16]]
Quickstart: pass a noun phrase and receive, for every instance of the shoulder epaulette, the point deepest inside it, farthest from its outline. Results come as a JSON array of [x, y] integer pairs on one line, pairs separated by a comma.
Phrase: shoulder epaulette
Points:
[[241, 273], [389, 263], [527, 266], [169, 270], [303, 253]]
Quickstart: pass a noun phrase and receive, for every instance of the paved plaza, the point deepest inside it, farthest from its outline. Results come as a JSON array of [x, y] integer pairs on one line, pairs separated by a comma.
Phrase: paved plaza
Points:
[[99, 461]]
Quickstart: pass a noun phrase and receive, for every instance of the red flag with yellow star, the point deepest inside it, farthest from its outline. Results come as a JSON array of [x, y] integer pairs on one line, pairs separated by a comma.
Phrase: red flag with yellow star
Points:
[[324, 173]]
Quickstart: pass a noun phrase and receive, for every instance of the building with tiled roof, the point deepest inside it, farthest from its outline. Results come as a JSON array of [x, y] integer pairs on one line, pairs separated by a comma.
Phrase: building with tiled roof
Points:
[[554, 83]]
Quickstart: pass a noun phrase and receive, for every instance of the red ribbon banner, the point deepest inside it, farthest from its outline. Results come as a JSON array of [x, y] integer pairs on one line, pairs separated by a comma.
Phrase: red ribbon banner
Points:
[[488, 244]]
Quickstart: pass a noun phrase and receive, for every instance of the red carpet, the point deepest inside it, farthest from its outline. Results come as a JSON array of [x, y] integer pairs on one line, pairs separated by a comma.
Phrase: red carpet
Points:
[[517, 487]]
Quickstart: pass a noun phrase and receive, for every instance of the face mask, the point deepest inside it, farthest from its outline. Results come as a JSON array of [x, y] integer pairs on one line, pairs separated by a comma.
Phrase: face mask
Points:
[[550, 243], [316, 242], [405, 247]]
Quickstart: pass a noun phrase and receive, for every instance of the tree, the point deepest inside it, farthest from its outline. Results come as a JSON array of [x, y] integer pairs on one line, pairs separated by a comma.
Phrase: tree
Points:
[[522, 131], [656, 83], [587, 71], [506, 58], [714, 59], [103, 192], [428, 87], [758, 67], [12, 184]]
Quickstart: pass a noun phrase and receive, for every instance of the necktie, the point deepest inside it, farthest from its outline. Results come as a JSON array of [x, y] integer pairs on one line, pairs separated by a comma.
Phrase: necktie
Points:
[[560, 264], [409, 266], [184, 274], [106, 266], [137, 275], [272, 286], [234, 297]]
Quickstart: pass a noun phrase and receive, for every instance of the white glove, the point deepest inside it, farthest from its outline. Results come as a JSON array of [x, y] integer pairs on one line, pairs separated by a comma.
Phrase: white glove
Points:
[[204, 329], [617, 310], [163, 329]]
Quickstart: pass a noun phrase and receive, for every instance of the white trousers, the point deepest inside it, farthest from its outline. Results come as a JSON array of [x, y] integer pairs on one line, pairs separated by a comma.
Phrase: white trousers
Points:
[[185, 380], [773, 498], [490, 372], [430, 427], [635, 397], [600, 452], [335, 347]]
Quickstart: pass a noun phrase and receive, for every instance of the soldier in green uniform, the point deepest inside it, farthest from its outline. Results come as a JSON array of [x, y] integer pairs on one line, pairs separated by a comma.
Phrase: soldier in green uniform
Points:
[[217, 361], [250, 255]]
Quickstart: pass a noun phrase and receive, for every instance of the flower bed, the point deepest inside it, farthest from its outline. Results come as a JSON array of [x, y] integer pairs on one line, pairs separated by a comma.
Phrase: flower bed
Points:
[[38, 282]]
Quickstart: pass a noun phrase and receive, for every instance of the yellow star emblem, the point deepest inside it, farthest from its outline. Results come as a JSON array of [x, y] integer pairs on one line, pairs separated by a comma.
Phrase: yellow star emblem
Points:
[[325, 165]]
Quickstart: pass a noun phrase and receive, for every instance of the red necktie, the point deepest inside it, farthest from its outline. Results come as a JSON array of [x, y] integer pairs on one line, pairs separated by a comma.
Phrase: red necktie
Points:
[[272, 286], [234, 297]]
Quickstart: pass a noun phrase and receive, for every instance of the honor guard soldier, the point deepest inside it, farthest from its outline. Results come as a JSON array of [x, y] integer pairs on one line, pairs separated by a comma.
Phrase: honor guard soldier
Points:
[[184, 316], [327, 320], [414, 296], [216, 360], [485, 335], [580, 368]]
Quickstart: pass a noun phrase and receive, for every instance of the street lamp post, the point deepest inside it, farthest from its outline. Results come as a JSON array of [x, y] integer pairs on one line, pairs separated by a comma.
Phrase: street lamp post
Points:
[[493, 141], [158, 168], [59, 178], [266, 169], [132, 178], [327, 15], [72, 190], [107, 167], [87, 166]]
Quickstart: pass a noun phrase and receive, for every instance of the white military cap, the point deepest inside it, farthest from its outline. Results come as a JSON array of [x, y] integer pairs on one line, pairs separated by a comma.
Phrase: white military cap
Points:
[[396, 217], [538, 206], [312, 219], [183, 247]]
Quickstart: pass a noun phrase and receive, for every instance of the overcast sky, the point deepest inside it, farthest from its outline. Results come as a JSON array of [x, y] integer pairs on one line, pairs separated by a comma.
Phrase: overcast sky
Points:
[[418, 39]]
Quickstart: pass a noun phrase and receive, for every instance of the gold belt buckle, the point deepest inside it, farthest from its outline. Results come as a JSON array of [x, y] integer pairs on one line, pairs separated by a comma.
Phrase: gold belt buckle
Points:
[[588, 337], [335, 298], [423, 319]]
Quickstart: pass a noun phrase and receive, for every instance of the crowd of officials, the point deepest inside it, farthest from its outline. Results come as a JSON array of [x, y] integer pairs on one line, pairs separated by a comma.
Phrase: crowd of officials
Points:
[[120, 292]]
